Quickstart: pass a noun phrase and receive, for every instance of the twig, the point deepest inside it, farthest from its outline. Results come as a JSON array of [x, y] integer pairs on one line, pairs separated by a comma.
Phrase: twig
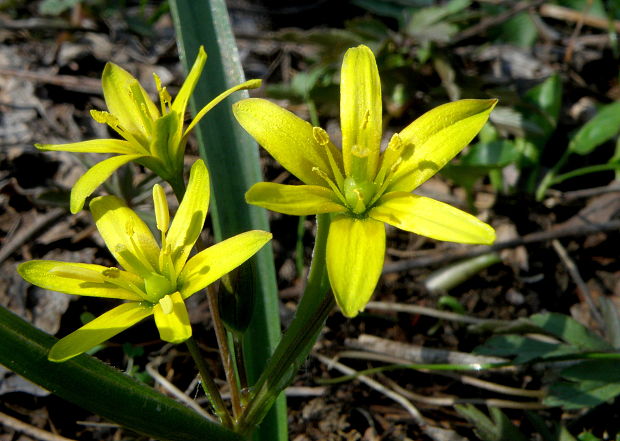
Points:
[[567, 14], [570, 47], [173, 390], [541, 236], [574, 273], [330, 363], [433, 432], [430, 312], [579, 194], [418, 354], [491, 21], [69, 82], [28, 232], [451, 401], [35, 432]]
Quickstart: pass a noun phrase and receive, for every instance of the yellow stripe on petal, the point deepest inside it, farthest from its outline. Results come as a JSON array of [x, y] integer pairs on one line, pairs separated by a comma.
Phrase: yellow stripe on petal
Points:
[[75, 278], [431, 218], [127, 237], [190, 217], [209, 265], [99, 330], [288, 138], [126, 99], [171, 319], [360, 107], [94, 177], [297, 200], [355, 254], [436, 137], [92, 146]]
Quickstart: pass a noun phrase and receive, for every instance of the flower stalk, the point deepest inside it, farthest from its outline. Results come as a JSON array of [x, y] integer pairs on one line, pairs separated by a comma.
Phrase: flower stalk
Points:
[[316, 304]]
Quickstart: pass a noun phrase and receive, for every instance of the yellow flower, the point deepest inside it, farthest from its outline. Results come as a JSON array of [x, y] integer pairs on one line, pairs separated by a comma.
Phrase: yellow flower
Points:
[[155, 280], [152, 136], [362, 186]]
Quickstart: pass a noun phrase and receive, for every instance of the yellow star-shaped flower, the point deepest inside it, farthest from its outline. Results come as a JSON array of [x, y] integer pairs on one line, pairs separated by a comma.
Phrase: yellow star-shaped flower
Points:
[[156, 279], [361, 185], [154, 137]]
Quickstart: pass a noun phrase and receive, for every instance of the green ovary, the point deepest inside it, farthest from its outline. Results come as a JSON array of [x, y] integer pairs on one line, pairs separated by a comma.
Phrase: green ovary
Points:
[[157, 287], [358, 194]]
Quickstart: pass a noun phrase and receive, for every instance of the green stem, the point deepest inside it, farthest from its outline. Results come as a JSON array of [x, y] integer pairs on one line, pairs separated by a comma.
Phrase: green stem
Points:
[[208, 385], [547, 180], [178, 186], [313, 309], [585, 170]]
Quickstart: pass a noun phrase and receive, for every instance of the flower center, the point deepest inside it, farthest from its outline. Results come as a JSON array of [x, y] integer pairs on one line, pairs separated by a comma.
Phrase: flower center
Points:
[[358, 195]]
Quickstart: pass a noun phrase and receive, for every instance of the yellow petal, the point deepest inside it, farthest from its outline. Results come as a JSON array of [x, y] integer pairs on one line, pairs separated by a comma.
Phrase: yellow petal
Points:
[[94, 177], [127, 237], [288, 138], [355, 254], [99, 330], [172, 320], [64, 277], [92, 146], [431, 218], [180, 102], [360, 107], [190, 217], [126, 99], [297, 200], [209, 265], [436, 137]]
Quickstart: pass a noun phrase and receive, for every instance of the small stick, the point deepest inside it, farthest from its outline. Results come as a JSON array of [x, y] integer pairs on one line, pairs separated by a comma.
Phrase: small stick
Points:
[[567, 14], [574, 273], [173, 390], [540, 236], [35, 432]]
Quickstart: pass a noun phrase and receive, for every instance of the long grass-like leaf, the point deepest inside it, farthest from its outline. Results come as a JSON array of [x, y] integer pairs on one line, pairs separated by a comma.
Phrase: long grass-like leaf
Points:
[[101, 389], [232, 158]]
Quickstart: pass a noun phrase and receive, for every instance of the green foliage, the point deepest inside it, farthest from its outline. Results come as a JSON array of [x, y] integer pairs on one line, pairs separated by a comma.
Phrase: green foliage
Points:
[[591, 380], [497, 427]]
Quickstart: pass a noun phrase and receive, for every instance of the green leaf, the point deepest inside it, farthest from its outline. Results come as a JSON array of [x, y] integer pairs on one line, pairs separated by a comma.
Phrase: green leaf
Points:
[[589, 384], [524, 349], [600, 129], [498, 153], [496, 428], [520, 30], [101, 389], [571, 331], [233, 162]]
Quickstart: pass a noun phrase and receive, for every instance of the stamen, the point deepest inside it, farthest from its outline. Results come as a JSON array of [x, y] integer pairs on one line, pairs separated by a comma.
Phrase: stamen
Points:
[[165, 100], [331, 184], [141, 265], [322, 137], [113, 276], [82, 274], [165, 263], [391, 155], [359, 206], [162, 213], [166, 304], [103, 117], [387, 181]]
